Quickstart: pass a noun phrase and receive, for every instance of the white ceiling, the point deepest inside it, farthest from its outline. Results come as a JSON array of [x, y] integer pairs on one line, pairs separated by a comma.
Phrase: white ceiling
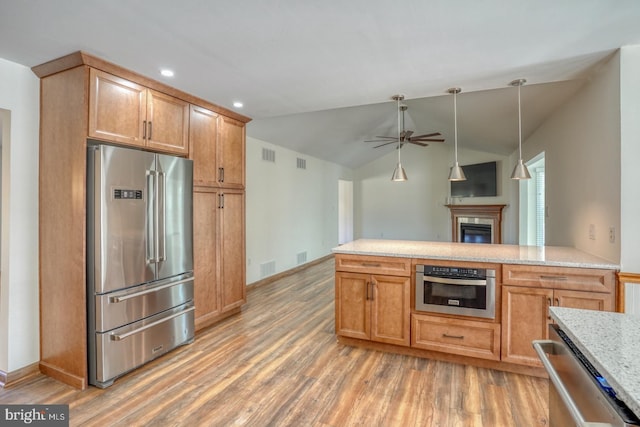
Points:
[[317, 76]]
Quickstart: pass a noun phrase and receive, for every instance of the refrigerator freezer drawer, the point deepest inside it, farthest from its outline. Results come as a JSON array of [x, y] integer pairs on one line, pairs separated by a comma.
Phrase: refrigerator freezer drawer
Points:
[[130, 305], [126, 348]]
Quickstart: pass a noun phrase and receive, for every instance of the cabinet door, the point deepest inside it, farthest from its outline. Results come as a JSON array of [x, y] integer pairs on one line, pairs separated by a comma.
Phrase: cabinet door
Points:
[[231, 153], [232, 255], [205, 233], [390, 309], [585, 300], [117, 109], [203, 135], [167, 123], [525, 317], [352, 305]]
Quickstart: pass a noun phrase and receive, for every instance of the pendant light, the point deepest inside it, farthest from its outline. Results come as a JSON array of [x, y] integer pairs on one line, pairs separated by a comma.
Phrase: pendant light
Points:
[[456, 173], [398, 173], [520, 171]]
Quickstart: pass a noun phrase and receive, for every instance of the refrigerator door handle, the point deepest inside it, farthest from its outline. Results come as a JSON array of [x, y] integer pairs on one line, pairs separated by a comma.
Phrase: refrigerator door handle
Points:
[[162, 207], [151, 218], [120, 337], [121, 298]]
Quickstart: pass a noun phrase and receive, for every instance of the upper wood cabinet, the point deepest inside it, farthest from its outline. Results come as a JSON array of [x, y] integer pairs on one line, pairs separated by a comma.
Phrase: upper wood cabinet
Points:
[[203, 137], [217, 148], [128, 113], [231, 153]]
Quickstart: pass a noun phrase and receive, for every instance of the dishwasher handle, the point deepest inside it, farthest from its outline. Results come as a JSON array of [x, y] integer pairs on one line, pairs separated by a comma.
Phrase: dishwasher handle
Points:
[[542, 347]]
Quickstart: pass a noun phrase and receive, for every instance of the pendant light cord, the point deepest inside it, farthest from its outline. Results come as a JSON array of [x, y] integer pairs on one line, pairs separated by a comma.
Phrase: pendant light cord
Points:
[[519, 123], [399, 131], [455, 125]]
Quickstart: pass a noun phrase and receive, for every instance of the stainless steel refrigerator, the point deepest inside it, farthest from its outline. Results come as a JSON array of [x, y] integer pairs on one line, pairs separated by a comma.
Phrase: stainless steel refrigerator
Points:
[[139, 258]]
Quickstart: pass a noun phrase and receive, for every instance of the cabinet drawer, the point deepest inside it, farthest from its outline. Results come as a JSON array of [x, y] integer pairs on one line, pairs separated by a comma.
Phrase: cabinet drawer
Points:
[[463, 337], [374, 265], [577, 279]]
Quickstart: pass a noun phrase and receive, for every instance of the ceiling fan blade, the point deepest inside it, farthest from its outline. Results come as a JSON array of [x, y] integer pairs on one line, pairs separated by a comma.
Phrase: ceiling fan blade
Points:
[[426, 139], [422, 144], [428, 135], [407, 134], [376, 140], [386, 143]]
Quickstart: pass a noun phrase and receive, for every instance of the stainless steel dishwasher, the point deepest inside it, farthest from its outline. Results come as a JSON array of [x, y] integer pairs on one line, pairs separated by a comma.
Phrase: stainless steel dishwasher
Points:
[[578, 394]]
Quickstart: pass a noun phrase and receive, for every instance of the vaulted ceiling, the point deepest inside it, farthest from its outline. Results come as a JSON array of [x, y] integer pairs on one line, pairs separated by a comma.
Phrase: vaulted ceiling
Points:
[[318, 76]]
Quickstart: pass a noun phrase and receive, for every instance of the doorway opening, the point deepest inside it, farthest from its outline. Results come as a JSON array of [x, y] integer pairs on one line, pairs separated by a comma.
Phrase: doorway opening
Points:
[[533, 209]]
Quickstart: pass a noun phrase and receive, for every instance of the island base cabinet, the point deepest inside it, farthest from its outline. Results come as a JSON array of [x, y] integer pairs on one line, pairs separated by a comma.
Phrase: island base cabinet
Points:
[[456, 336], [373, 307], [526, 317]]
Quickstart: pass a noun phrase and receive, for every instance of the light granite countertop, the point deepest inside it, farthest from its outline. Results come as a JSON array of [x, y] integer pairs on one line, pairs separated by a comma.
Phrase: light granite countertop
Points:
[[477, 252], [611, 342]]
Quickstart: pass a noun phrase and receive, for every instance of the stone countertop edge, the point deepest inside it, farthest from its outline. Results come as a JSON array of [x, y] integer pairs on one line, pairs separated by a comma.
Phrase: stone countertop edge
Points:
[[611, 342], [553, 256]]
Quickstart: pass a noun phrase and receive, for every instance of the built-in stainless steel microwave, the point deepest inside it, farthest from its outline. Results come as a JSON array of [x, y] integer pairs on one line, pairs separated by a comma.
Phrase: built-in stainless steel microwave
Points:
[[456, 290]]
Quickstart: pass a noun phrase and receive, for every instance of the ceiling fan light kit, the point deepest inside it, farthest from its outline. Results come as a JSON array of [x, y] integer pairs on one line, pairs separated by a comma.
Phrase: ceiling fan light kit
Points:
[[456, 173], [520, 171]]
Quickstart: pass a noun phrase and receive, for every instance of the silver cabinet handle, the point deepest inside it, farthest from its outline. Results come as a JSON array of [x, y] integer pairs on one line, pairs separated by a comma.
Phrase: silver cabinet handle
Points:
[[558, 278], [542, 347], [458, 337], [148, 291], [120, 337], [221, 173]]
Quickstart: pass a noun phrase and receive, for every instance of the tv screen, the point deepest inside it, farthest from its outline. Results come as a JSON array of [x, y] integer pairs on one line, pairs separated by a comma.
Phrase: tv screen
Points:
[[481, 181]]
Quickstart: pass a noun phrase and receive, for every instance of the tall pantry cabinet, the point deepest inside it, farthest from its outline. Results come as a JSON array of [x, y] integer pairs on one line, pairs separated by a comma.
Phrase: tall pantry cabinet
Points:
[[83, 97]]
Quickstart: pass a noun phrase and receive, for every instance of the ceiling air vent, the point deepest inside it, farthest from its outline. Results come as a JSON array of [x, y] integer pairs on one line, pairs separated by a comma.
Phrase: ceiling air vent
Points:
[[301, 163], [268, 155]]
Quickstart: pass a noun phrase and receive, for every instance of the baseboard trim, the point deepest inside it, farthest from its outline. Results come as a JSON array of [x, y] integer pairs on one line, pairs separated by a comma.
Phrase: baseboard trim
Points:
[[289, 272], [7, 379]]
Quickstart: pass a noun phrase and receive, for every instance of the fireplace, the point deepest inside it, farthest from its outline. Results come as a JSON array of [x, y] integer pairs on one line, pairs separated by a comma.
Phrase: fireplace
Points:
[[476, 223]]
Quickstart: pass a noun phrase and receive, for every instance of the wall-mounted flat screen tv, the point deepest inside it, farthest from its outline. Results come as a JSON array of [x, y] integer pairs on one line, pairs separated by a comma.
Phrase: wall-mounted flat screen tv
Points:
[[481, 181]]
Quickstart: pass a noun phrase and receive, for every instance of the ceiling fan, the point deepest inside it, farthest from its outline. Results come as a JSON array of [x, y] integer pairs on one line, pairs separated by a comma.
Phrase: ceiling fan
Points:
[[406, 136]]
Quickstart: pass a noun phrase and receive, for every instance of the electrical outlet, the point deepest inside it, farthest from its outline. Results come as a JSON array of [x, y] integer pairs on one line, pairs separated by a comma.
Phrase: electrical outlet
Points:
[[592, 231], [612, 234]]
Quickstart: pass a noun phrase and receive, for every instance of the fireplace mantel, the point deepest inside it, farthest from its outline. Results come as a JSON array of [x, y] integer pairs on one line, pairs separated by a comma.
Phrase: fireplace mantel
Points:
[[485, 212]]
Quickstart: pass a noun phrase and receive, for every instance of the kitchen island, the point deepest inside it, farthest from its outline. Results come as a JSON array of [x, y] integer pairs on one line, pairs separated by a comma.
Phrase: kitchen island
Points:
[[376, 286], [611, 342], [556, 256]]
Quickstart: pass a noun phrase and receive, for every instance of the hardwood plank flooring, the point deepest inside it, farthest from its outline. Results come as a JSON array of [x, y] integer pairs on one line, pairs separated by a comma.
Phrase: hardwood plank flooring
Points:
[[278, 364]]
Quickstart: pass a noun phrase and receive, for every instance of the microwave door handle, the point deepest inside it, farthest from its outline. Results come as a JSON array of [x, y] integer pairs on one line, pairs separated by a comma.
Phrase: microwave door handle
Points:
[[463, 282]]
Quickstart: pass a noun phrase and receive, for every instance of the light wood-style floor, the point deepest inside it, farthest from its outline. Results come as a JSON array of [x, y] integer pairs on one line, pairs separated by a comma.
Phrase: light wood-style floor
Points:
[[278, 364]]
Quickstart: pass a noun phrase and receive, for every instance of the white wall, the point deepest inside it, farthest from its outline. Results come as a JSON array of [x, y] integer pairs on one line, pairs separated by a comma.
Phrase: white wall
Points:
[[581, 141], [289, 210], [630, 155], [415, 209], [19, 329]]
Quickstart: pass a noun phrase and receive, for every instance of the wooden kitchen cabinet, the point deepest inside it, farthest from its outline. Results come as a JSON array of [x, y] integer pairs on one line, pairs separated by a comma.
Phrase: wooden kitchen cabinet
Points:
[[231, 153], [125, 112], [219, 254], [217, 147], [529, 291], [83, 97], [373, 307], [456, 336]]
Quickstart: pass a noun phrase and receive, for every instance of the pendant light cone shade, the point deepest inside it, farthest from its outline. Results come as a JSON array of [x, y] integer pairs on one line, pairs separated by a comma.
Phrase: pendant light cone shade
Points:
[[520, 171], [456, 173], [398, 174]]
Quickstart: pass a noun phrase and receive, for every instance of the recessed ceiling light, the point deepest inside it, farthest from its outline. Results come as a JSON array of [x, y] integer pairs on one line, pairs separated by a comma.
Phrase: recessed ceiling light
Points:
[[238, 104], [166, 72]]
